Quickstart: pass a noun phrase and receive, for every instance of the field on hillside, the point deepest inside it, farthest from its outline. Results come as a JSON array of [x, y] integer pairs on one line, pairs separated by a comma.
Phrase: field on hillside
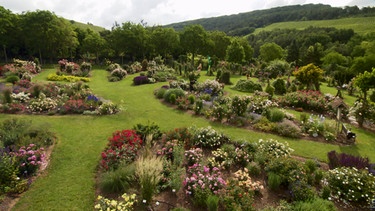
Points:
[[359, 25]]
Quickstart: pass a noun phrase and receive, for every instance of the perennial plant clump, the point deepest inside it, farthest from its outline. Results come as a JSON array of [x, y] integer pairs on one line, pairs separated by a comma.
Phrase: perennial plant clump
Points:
[[208, 137], [349, 184], [123, 146], [105, 204], [203, 177]]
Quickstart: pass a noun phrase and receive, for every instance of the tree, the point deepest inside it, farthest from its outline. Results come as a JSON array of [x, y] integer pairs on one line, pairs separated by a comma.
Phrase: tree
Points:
[[235, 52], [314, 54], [309, 75], [45, 33], [194, 40], [365, 81], [129, 38], [220, 44], [336, 65], [249, 51], [164, 40], [93, 43], [271, 51], [8, 24]]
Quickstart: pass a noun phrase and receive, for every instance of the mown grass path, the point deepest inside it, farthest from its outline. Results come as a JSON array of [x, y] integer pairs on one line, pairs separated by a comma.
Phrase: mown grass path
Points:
[[69, 181]]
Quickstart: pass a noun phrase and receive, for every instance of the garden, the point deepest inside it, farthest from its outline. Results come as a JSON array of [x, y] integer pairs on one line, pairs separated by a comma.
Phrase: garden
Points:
[[210, 145]]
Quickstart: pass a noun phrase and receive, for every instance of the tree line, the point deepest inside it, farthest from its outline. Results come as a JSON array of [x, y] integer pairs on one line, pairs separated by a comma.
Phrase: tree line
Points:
[[41, 34]]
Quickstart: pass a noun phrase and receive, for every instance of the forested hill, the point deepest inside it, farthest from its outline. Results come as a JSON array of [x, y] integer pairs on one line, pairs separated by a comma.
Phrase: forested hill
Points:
[[245, 23]]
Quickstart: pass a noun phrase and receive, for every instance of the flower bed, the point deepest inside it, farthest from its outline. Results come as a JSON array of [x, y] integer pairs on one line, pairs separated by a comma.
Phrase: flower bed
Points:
[[234, 176]]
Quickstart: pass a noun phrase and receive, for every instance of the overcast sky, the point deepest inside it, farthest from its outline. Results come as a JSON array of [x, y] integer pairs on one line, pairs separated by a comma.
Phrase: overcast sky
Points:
[[155, 12]]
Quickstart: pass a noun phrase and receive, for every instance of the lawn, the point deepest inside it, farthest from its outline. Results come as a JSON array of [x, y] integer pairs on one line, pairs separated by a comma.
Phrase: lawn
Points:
[[69, 181]]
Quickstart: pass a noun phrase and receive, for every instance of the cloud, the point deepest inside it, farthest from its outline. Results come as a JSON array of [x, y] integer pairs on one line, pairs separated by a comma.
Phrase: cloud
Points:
[[154, 12]]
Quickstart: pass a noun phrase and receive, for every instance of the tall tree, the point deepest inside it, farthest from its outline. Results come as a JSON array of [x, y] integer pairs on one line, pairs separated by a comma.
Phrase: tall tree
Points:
[[271, 51], [309, 75], [93, 43], [8, 23], [164, 40], [235, 52], [194, 40], [46, 34], [220, 44]]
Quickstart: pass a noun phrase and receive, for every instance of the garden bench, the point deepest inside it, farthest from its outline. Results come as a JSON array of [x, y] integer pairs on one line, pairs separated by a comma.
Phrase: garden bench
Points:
[[350, 136]]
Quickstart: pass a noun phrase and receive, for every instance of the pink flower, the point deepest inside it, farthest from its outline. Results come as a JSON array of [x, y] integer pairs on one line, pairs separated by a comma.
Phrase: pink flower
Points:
[[206, 169]]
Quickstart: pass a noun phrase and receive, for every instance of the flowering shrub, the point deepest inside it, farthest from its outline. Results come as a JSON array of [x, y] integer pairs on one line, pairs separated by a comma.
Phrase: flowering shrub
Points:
[[21, 97], [193, 156], [345, 160], [167, 149], [117, 74], [183, 135], [107, 108], [24, 83], [75, 106], [139, 80], [243, 180], [105, 204], [219, 111], [208, 137], [308, 100], [239, 104], [273, 148], [67, 78], [202, 177], [8, 170], [42, 104], [122, 147], [211, 87], [351, 185], [220, 159], [29, 159], [247, 86], [260, 104]]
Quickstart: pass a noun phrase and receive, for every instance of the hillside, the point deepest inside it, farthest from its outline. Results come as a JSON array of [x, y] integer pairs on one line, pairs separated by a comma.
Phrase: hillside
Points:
[[245, 23], [360, 25], [85, 26]]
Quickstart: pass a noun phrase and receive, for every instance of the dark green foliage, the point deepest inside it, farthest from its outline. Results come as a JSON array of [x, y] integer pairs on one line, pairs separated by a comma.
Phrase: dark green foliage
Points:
[[191, 99], [274, 180], [22, 133], [36, 89], [301, 191], [144, 130], [247, 86], [117, 181], [225, 78], [13, 79], [7, 95], [253, 168], [160, 93], [176, 92], [270, 89], [212, 203], [275, 115], [280, 86]]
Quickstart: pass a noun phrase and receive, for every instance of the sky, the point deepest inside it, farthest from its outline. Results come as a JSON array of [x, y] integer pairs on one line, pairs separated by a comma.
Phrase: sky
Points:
[[155, 12]]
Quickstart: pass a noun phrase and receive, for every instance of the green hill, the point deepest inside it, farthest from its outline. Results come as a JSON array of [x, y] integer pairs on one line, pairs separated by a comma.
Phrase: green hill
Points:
[[85, 26], [245, 23], [360, 25]]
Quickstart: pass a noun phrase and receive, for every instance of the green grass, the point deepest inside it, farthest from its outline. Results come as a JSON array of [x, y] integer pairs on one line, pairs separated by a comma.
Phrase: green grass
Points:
[[359, 25], [69, 180]]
